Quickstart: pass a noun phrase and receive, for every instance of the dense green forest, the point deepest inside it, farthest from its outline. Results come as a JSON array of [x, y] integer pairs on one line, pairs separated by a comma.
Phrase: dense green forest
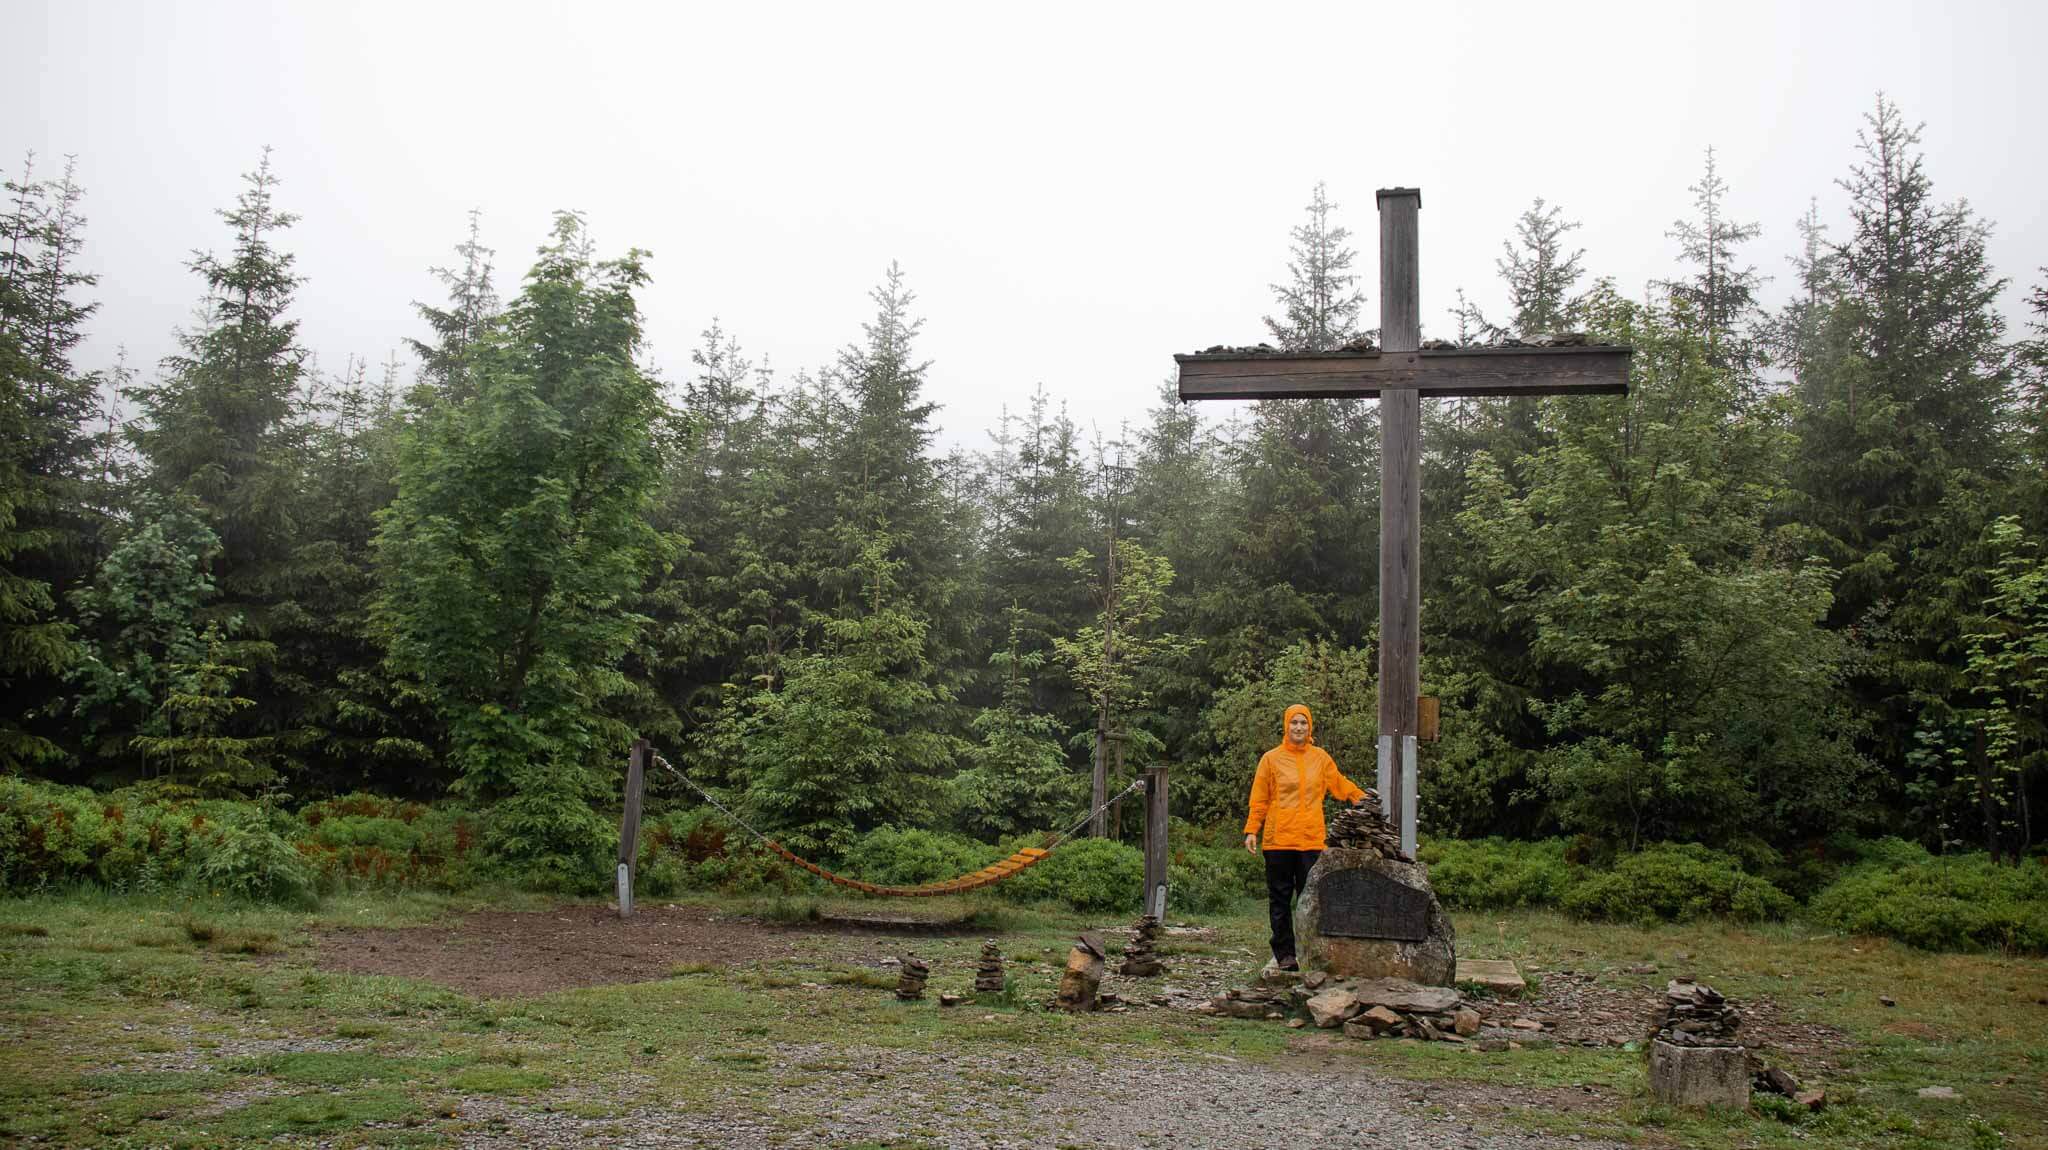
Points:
[[1792, 585]]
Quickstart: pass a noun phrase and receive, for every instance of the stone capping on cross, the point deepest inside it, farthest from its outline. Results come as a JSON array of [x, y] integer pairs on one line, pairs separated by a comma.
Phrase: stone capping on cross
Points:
[[1399, 373]]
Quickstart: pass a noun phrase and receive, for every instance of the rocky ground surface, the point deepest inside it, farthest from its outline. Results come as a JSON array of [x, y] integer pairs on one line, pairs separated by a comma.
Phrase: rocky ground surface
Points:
[[1016, 1099]]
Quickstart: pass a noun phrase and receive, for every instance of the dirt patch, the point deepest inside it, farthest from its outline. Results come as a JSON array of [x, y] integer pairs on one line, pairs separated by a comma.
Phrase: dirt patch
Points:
[[505, 954]]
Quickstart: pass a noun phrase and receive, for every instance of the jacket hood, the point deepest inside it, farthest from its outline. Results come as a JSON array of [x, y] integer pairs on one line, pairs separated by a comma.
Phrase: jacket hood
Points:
[[1304, 712]]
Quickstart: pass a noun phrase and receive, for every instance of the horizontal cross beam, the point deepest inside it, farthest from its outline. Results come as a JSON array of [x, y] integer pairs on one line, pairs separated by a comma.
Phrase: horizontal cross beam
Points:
[[1593, 370]]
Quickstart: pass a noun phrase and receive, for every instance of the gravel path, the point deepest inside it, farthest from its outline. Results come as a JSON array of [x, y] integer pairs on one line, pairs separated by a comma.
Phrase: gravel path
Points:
[[1006, 1101]]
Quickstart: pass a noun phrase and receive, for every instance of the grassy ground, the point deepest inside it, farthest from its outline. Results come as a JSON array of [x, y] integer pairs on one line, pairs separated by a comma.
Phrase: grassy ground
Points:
[[133, 1021]]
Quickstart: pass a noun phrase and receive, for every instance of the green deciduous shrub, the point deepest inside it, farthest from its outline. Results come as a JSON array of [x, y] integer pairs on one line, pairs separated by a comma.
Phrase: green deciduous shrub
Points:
[[1676, 882], [895, 857], [1086, 874], [1960, 903], [256, 863], [1497, 874]]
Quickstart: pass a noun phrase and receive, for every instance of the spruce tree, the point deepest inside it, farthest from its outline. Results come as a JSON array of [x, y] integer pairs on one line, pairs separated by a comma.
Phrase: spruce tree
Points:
[[888, 486], [855, 737], [1902, 444], [1321, 303], [358, 728], [1719, 298], [227, 426], [472, 305], [48, 528]]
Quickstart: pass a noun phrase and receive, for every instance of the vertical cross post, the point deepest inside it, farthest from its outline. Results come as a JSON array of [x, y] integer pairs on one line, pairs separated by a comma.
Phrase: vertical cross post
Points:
[[1155, 842], [1400, 511], [629, 827]]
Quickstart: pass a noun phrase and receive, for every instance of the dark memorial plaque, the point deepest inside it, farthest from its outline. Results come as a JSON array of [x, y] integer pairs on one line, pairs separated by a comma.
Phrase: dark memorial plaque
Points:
[[1368, 904]]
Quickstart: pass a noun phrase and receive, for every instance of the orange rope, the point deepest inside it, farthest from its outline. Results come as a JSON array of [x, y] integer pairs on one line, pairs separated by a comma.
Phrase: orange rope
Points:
[[986, 876]]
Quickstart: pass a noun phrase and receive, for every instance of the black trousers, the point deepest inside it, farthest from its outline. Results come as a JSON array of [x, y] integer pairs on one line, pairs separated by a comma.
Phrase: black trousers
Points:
[[1286, 877]]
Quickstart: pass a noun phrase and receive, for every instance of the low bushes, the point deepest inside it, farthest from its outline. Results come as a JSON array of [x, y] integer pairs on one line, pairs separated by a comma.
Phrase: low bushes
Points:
[[161, 839], [895, 857], [1676, 882], [139, 839], [1497, 874], [1668, 882], [1942, 903]]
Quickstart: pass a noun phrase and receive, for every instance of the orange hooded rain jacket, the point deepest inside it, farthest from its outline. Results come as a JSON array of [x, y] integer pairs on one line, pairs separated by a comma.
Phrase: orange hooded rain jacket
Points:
[[1288, 792]]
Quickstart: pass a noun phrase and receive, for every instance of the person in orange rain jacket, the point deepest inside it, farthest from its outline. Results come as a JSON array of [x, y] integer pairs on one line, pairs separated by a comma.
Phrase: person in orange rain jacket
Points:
[[1287, 801]]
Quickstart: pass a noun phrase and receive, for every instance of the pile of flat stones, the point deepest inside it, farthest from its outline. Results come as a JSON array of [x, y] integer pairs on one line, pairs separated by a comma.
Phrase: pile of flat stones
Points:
[[1363, 1008], [988, 976], [1365, 828], [1696, 1014], [1140, 958], [910, 981]]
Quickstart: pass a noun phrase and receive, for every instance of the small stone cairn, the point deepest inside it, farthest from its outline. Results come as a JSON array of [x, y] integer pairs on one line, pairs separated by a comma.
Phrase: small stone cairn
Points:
[[1140, 958], [988, 976], [1364, 828], [1695, 1058], [910, 981], [1696, 1014]]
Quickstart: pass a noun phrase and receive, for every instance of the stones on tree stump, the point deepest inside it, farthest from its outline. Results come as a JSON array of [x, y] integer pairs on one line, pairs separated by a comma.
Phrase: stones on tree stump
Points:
[[910, 980], [1696, 1014], [1695, 1058], [1140, 958], [988, 974]]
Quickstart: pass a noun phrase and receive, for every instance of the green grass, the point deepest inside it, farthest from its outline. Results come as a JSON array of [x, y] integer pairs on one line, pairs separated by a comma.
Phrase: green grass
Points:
[[145, 1022]]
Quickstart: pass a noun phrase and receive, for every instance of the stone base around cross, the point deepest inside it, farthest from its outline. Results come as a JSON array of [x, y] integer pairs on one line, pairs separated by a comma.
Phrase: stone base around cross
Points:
[[1496, 976]]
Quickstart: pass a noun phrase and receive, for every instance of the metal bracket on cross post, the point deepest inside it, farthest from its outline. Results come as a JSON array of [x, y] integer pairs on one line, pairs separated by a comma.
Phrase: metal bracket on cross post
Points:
[[1385, 777], [1408, 752]]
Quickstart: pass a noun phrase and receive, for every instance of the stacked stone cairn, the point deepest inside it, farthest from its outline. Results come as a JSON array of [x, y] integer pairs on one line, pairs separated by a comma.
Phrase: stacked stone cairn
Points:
[[1695, 1059], [910, 982], [1140, 958], [1696, 1014], [1365, 828], [988, 976]]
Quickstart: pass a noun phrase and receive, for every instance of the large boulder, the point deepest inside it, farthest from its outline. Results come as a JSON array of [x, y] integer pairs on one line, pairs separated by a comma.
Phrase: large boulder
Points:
[[1365, 916]]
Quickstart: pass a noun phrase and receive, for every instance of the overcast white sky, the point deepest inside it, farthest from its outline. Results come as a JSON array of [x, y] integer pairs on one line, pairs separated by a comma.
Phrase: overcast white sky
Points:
[[1075, 192]]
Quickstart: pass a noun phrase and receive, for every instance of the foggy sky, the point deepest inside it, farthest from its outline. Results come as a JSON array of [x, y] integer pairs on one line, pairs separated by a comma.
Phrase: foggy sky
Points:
[[1074, 192]]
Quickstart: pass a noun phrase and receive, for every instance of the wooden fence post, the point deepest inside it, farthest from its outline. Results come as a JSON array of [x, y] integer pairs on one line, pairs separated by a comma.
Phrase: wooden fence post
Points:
[[1155, 842], [629, 829]]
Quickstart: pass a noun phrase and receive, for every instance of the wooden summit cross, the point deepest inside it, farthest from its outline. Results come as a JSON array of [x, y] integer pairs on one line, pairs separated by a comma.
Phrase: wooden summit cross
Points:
[[1399, 373]]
